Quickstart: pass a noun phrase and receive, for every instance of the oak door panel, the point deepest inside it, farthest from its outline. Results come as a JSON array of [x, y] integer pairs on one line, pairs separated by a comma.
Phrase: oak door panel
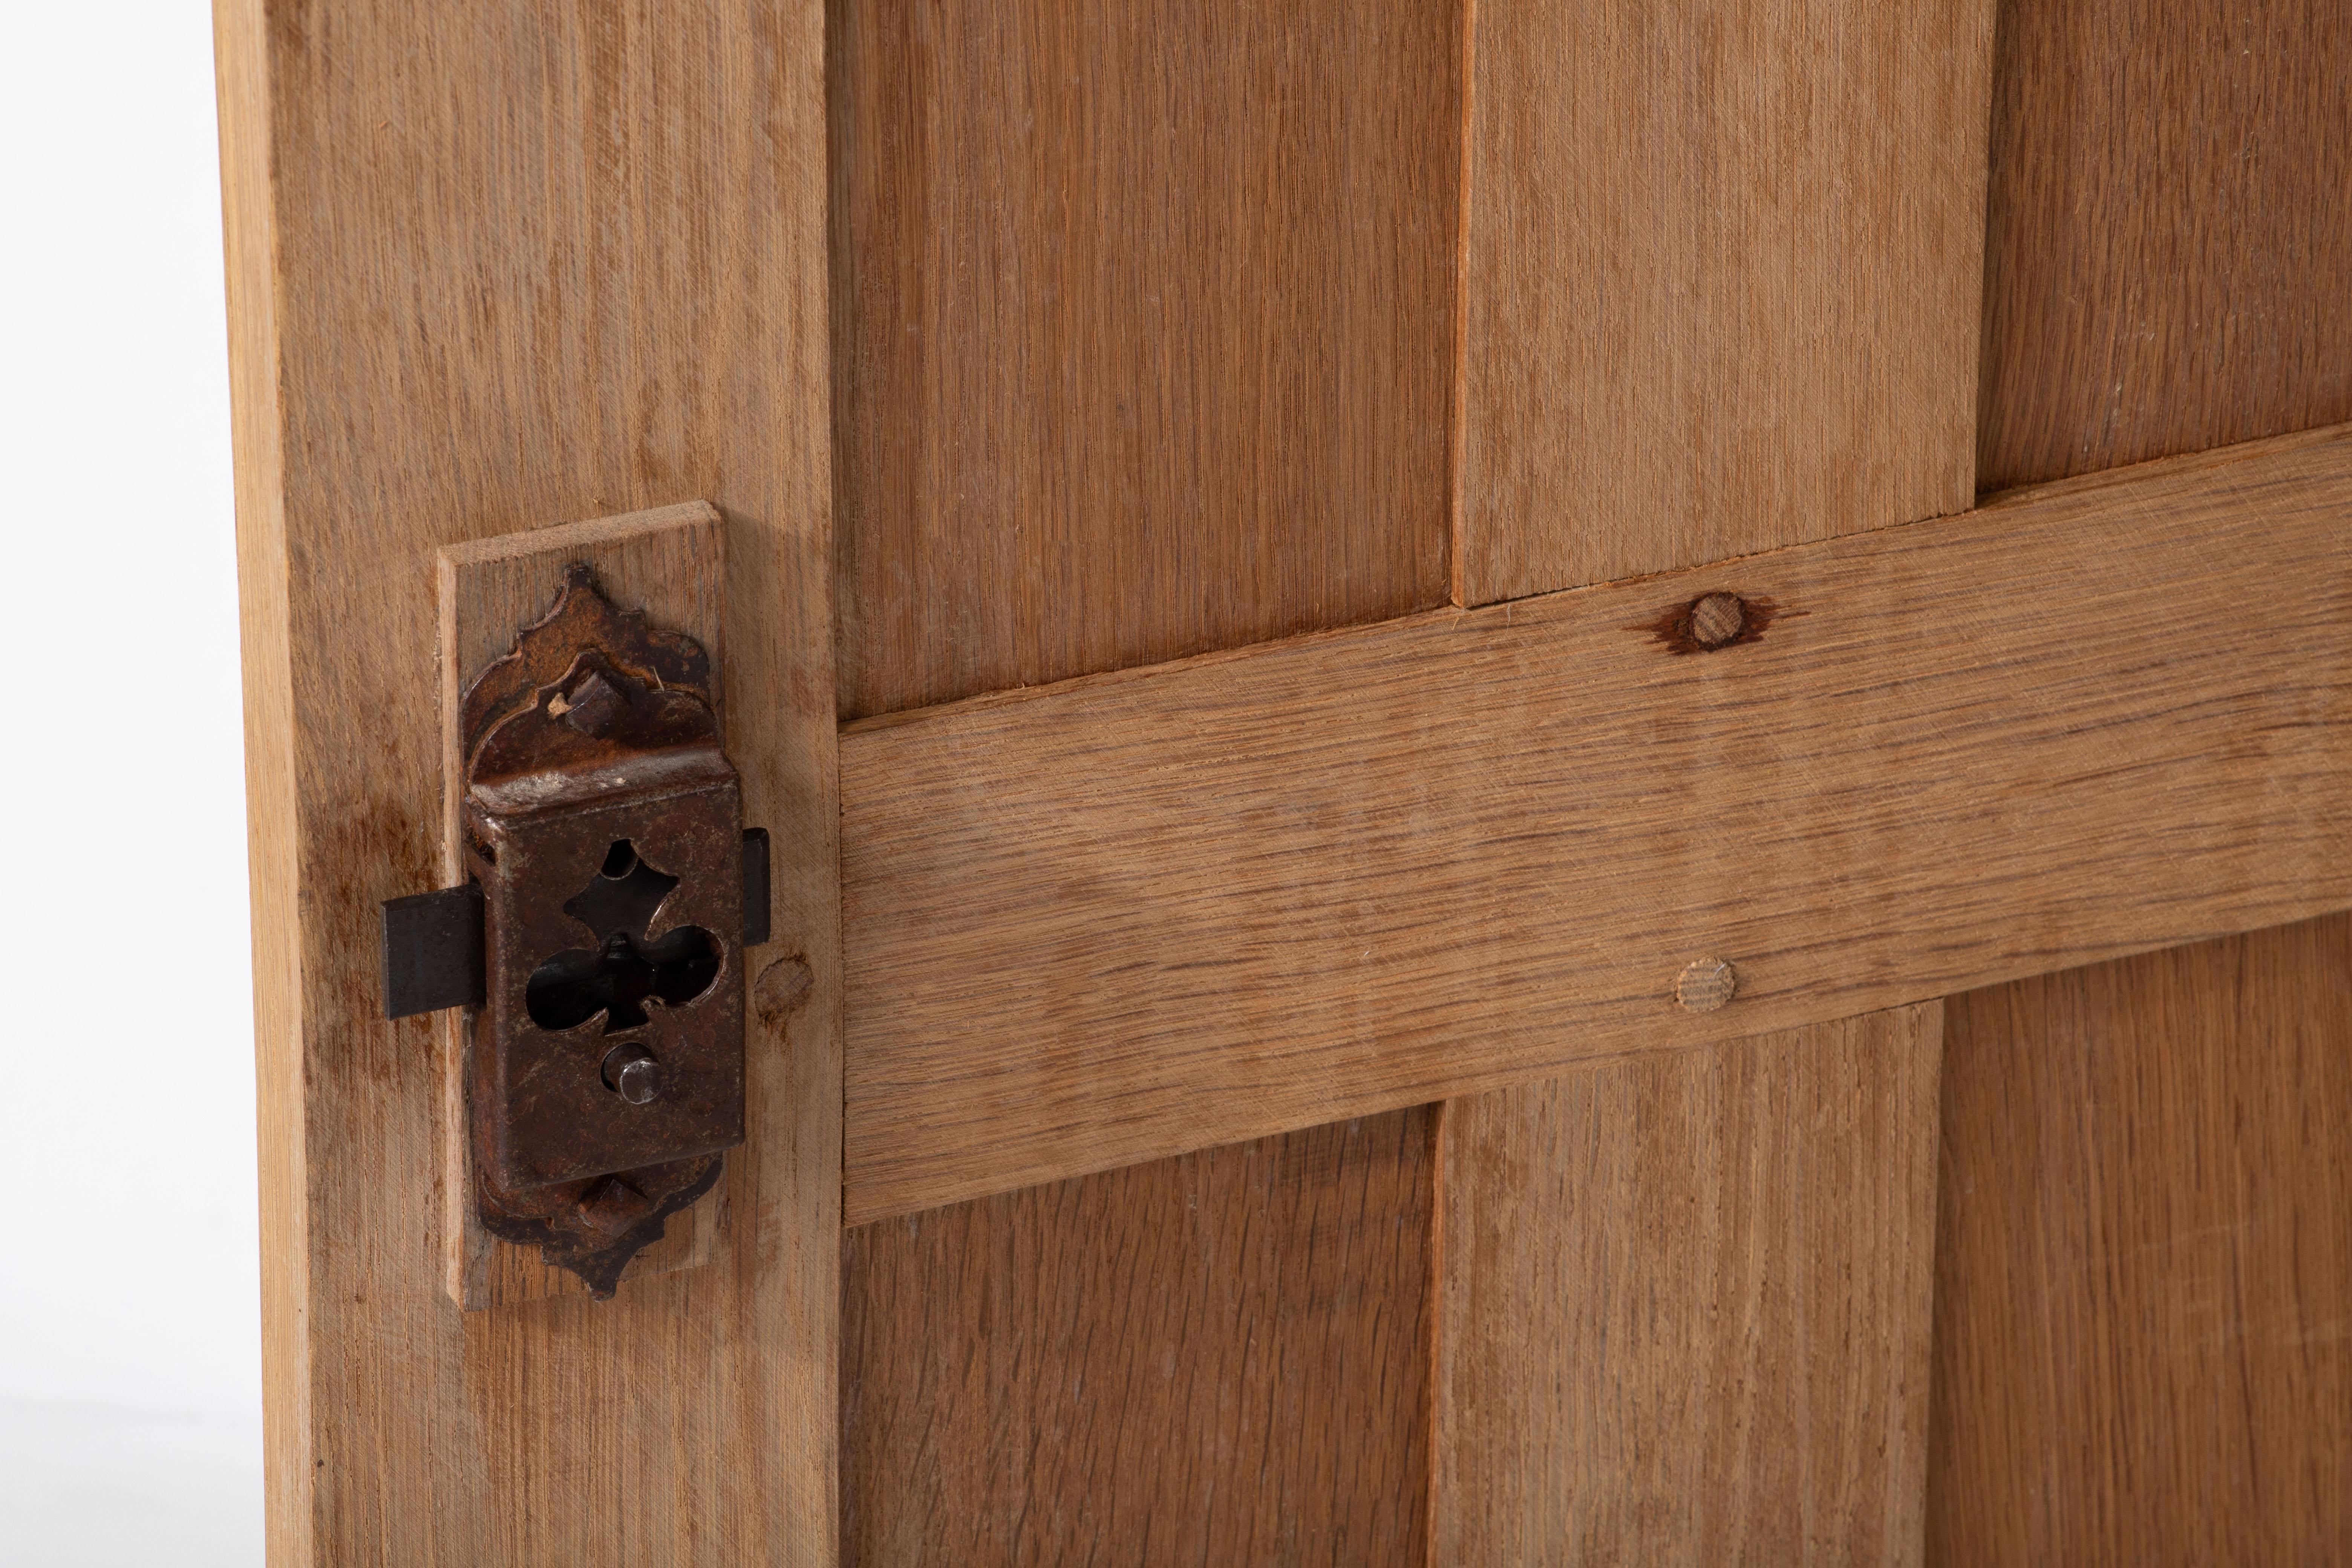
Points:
[[1142, 321], [1216, 1359], [2167, 238], [478, 284], [1685, 1306], [1143, 330], [1720, 279], [2143, 1269], [2137, 1269], [1721, 295]]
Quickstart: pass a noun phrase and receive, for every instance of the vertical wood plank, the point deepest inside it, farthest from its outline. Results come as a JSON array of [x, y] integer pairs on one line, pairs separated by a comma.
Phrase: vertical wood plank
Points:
[[2167, 244], [1143, 329], [1215, 1359], [1721, 285], [499, 267], [273, 837], [2139, 1268], [1142, 318], [1721, 281], [1684, 1306], [2142, 1272]]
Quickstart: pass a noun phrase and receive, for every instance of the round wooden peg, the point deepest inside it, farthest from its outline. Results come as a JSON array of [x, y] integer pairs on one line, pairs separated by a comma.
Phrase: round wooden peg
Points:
[[1705, 984], [1717, 620]]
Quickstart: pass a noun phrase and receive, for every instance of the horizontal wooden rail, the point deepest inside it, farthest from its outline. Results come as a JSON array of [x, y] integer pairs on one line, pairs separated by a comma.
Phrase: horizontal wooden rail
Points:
[[1141, 913]]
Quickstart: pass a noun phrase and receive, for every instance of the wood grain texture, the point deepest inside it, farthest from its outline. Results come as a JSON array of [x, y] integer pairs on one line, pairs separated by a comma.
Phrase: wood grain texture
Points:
[[1216, 1359], [670, 564], [1171, 908], [1142, 328], [1686, 1305], [2143, 1273], [1721, 281], [498, 266], [2167, 241]]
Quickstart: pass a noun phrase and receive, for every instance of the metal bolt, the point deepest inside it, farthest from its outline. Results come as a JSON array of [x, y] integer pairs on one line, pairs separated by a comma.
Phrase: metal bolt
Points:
[[1717, 619], [631, 1072], [1705, 985], [640, 1081]]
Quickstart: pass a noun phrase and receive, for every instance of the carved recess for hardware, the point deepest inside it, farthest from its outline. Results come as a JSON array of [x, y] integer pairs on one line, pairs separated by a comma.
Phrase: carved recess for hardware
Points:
[[603, 824]]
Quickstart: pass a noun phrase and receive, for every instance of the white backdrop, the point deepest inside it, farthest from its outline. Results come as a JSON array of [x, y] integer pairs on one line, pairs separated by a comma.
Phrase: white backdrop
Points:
[[130, 1357]]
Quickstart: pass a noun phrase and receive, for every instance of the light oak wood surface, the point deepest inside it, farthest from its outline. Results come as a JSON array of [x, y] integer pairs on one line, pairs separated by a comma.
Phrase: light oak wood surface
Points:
[[2143, 1271], [274, 845], [497, 268], [1220, 1357], [1143, 318], [1721, 295], [1171, 328], [1721, 283], [1686, 1305], [2167, 241], [1171, 908], [2137, 1279], [670, 564]]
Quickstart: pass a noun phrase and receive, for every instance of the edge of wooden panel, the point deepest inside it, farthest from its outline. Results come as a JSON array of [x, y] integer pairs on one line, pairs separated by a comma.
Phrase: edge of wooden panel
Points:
[[396, 1427], [241, 65]]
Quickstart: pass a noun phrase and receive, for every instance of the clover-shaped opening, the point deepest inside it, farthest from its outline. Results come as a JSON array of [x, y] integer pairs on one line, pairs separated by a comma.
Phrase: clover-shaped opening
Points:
[[624, 970]]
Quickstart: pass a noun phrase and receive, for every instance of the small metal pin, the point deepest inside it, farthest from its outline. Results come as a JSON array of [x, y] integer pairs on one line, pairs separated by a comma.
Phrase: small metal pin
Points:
[[1705, 985], [640, 1081], [631, 1072]]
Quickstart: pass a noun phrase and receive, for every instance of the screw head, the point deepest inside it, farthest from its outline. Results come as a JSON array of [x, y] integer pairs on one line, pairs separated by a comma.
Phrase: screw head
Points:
[[1705, 985], [631, 1072], [1717, 619]]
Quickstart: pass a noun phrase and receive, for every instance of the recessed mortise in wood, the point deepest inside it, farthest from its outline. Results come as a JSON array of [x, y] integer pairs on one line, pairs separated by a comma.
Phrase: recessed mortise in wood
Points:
[[1705, 985], [1716, 619]]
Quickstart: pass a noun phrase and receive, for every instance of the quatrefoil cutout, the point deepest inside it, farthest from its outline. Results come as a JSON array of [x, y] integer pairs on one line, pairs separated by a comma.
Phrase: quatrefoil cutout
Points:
[[623, 971]]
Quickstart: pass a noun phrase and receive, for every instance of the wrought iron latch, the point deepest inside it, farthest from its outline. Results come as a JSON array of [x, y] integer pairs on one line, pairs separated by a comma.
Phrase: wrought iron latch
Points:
[[598, 945]]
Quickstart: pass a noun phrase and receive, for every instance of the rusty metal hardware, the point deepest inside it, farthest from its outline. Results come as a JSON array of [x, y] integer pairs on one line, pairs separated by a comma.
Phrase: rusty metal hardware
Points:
[[433, 942], [598, 945], [433, 951]]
